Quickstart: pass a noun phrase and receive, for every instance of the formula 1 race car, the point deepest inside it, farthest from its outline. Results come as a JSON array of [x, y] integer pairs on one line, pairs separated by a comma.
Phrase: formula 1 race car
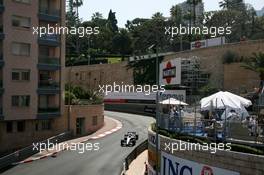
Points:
[[129, 139], [133, 135]]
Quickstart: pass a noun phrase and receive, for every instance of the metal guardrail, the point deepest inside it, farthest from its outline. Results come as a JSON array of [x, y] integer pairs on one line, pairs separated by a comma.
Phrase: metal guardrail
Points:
[[24, 153], [133, 155]]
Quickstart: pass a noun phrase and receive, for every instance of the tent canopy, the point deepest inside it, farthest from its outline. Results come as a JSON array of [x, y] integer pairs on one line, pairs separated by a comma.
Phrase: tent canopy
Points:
[[222, 100], [173, 101]]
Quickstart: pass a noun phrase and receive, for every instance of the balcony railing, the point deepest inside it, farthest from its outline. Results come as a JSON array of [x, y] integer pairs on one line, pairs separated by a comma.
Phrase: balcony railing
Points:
[[1, 28], [49, 110], [48, 11], [48, 60], [50, 37], [49, 40], [47, 84]]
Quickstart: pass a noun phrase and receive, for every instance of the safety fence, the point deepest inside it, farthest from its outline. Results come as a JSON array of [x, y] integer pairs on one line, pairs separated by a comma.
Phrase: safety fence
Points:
[[24, 153], [248, 129]]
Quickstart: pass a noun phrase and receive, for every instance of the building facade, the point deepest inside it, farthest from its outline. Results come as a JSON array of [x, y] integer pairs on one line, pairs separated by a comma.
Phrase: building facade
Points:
[[31, 71]]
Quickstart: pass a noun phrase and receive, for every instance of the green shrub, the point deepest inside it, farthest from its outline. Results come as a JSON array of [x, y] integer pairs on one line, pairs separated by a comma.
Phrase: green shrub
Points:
[[246, 149], [230, 57]]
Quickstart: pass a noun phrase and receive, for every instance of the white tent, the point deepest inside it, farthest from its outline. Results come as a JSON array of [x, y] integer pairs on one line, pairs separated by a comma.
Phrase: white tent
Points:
[[227, 101], [173, 101], [221, 100]]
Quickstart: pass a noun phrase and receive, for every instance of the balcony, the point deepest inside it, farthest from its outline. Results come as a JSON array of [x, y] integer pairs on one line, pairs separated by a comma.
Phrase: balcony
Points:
[[47, 14], [47, 87], [47, 113], [1, 87], [1, 114], [2, 7], [49, 40], [48, 63], [2, 63], [2, 35]]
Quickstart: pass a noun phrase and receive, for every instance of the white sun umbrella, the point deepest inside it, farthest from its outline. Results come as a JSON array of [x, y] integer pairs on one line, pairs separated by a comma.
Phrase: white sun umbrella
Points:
[[173, 101]]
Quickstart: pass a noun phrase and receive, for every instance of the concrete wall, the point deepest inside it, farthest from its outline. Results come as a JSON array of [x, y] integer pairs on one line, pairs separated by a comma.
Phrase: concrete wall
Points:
[[245, 164], [239, 79], [87, 112], [211, 59], [94, 75], [222, 76], [17, 140]]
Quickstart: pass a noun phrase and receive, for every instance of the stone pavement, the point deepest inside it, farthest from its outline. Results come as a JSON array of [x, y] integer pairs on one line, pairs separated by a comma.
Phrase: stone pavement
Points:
[[110, 126], [137, 166]]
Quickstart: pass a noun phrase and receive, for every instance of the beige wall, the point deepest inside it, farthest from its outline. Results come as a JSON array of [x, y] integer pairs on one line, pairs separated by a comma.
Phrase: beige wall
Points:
[[14, 34], [239, 79], [211, 58], [87, 112], [17, 140], [94, 75]]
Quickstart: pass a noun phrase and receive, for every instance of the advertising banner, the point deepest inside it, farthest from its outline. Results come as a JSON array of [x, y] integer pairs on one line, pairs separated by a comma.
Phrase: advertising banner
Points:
[[170, 72], [171, 165], [178, 94], [208, 43]]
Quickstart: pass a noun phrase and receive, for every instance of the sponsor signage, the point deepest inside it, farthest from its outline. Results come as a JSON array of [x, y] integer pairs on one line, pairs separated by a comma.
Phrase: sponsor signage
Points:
[[208, 43], [171, 165], [123, 96], [152, 140], [170, 72], [177, 94], [198, 44]]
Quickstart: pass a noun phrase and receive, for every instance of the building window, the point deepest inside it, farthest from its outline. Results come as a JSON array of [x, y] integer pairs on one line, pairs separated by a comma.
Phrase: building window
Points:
[[20, 75], [15, 75], [20, 126], [36, 127], [94, 120], [19, 21], [46, 125], [21, 101], [23, 1], [9, 127], [21, 49]]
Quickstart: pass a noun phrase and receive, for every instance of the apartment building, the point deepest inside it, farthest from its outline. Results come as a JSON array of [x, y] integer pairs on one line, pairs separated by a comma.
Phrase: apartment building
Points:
[[31, 78]]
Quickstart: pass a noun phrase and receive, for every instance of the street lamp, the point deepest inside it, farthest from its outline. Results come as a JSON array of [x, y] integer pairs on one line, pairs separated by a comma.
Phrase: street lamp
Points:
[[155, 49]]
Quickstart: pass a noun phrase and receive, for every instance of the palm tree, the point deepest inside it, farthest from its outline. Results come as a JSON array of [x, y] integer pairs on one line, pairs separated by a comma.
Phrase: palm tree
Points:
[[158, 15], [194, 3], [77, 4], [176, 14], [256, 64]]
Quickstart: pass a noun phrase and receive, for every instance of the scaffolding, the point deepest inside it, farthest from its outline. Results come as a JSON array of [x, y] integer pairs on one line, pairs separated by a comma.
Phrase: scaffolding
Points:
[[193, 77]]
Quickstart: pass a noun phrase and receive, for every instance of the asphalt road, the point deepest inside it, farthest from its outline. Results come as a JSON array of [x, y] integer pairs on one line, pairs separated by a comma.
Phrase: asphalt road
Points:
[[106, 161]]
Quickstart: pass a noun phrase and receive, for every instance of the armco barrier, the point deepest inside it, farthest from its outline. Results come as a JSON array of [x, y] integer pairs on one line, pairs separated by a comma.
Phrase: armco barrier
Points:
[[133, 155], [29, 151]]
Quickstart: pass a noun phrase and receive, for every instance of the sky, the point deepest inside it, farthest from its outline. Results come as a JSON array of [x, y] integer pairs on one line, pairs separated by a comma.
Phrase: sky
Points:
[[131, 9]]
